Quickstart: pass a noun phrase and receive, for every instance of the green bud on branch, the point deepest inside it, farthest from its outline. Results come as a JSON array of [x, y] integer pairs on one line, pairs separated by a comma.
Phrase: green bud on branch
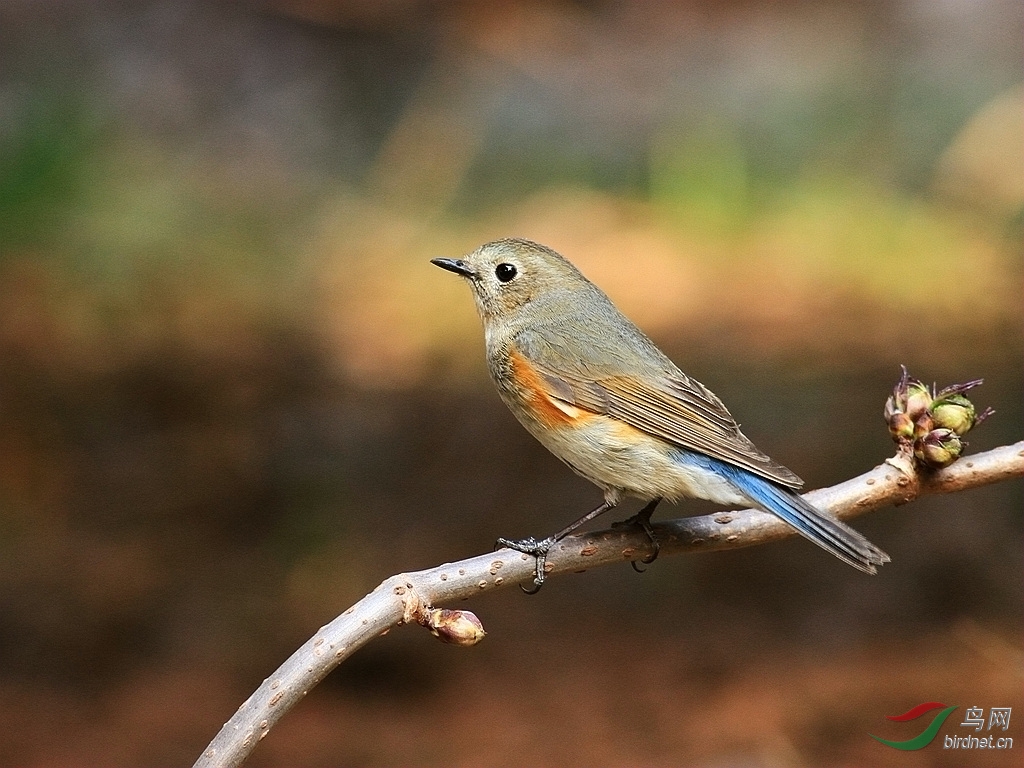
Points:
[[929, 424]]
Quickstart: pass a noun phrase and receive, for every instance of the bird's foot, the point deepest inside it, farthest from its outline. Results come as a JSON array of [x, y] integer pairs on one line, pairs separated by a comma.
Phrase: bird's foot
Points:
[[531, 546], [642, 520]]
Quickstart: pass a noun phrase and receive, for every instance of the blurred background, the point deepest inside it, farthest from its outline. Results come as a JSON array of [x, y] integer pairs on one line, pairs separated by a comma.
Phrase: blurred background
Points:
[[235, 396]]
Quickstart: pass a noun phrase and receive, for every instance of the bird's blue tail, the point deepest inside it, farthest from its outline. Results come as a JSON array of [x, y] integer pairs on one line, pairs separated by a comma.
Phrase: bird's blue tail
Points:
[[830, 534]]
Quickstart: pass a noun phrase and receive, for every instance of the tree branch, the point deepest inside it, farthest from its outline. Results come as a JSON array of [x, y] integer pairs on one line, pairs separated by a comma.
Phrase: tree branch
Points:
[[409, 597]]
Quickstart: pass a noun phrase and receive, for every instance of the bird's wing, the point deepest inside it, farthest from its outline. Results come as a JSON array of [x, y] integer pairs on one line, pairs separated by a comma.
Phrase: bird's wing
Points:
[[663, 402]]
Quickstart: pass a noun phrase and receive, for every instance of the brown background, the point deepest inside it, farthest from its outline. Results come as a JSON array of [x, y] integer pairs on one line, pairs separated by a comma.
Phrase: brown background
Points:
[[235, 396]]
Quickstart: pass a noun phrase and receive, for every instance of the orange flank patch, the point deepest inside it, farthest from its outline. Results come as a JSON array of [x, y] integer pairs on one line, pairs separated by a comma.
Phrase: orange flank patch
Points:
[[627, 433], [549, 410]]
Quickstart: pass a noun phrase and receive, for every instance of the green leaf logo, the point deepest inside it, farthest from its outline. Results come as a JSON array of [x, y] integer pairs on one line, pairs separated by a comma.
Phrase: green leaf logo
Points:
[[924, 738]]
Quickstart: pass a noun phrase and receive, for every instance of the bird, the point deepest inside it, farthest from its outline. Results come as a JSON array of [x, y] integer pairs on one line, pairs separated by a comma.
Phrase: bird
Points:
[[595, 391]]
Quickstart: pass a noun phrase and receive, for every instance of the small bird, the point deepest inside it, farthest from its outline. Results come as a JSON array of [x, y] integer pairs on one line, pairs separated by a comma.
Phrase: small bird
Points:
[[597, 393]]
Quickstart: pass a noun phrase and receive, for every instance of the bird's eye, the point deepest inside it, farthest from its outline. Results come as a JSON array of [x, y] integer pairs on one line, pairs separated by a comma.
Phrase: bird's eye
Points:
[[504, 272]]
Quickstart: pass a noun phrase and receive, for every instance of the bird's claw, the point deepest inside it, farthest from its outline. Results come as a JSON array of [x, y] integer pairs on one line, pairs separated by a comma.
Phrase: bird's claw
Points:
[[531, 546], [642, 521]]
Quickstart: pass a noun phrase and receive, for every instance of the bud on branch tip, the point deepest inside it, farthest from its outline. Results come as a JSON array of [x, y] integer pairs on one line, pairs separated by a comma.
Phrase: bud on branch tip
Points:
[[929, 424]]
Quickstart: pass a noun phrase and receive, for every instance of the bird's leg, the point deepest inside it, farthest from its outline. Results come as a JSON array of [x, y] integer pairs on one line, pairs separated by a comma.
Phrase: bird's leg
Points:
[[540, 549], [643, 520]]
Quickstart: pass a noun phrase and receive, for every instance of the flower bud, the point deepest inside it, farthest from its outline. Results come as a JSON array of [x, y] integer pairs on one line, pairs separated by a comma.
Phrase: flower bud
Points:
[[939, 448], [455, 626], [954, 412], [918, 398], [901, 427], [923, 426]]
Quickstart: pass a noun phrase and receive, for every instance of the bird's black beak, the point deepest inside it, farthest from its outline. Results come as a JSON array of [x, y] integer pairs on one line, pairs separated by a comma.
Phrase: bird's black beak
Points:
[[458, 266]]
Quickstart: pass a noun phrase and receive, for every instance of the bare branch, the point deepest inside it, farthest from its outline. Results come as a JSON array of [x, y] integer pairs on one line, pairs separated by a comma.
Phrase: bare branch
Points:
[[404, 598]]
